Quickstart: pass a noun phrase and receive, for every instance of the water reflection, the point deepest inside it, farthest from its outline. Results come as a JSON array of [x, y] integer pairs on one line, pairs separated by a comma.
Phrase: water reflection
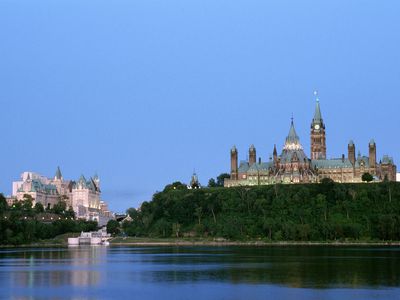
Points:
[[304, 267], [76, 267], [103, 272]]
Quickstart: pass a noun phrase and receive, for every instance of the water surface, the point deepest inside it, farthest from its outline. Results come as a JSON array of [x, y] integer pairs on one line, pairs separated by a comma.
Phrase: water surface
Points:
[[313, 272]]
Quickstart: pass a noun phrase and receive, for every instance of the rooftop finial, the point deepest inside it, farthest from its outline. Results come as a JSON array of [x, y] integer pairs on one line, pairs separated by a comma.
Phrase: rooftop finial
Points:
[[292, 118], [316, 95], [317, 114]]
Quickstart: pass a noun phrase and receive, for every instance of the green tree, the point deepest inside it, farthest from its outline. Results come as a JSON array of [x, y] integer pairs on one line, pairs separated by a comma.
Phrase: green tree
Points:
[[70, 213], [198, 212], [162, 228], [176, 228], [177, 185], [212, 183], [3, 203], [132, 212], [221, 178], [268, 225], [60, 207], [367, 177], [38, 207], [113, 227], [322, 206], [27, 205]]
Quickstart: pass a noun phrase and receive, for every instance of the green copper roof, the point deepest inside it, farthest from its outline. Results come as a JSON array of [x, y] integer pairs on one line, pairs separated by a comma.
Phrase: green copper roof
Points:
[[333, 163], [82, 180], [243, 167], [260, 167], [38, 186], [362, 161], [387, 159], [292, 137], [317, 119], [58, 173], [86, 184]]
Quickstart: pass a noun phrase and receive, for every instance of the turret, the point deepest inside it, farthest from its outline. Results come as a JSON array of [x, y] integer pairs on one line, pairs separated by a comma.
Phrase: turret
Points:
[[372, 154], [58, 175], [252, 155], [96, 180], [234, 163], [351, 152], [275, 155], [292, 141]]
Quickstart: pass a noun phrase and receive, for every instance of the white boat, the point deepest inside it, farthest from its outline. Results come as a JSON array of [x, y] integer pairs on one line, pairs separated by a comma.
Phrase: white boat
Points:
[[99, 237]]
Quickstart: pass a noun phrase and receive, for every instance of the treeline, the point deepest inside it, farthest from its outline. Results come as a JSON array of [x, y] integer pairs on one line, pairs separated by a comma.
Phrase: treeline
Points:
[[310, 212], [19, 223]]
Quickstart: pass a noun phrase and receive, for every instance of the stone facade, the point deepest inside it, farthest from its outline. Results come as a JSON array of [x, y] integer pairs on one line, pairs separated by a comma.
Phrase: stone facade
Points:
[[82, 195], [293, 166]]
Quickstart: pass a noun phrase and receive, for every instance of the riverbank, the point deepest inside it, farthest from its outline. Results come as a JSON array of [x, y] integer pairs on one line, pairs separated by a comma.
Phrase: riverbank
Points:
[[129, 241], [62, 241], [59, 241]]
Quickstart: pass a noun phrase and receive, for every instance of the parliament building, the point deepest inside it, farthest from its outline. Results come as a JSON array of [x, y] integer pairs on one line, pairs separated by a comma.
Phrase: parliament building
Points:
[[293, 165]]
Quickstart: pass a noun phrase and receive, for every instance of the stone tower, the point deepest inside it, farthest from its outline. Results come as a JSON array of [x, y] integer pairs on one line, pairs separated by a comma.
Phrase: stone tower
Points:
[[351, 152], [372, 154], [252, 155], [234, 163], [318, 139]]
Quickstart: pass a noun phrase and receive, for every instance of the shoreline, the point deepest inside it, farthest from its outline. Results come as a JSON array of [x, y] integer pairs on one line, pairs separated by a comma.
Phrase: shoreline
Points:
[[249, 243], [210, 243]]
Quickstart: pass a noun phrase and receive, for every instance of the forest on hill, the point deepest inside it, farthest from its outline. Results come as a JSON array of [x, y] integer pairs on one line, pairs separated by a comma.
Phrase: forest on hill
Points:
[[327, 211]]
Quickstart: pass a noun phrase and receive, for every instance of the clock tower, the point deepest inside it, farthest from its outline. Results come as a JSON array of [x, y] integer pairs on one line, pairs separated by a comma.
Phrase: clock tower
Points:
[[318, 139]]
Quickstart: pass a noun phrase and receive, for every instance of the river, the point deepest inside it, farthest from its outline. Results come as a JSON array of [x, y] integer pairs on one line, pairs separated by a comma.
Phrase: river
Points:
[[291, 272]]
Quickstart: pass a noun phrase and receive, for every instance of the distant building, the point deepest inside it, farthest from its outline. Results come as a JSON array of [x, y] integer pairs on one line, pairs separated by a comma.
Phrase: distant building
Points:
[[293, 165], [82, 195], [398, 177], [194, 182]]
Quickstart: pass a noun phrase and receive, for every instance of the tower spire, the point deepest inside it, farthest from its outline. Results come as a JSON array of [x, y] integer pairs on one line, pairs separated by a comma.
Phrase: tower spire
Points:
[[58, 174], [317, 119], [318, 143], [292, 136], [292, 140], [275, 154]]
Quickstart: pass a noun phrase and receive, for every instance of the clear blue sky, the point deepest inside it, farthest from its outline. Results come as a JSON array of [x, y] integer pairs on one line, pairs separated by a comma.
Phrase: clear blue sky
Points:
[[143, 92]]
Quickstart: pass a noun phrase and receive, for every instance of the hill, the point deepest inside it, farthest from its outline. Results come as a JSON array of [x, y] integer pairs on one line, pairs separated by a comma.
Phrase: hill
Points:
[[310, 212]]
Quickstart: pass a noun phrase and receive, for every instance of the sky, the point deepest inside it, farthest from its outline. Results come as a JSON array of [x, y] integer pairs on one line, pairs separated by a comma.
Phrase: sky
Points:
[[145, 92]]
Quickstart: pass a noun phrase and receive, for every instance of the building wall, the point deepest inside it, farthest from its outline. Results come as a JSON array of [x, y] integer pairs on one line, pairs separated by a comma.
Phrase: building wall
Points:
[[82, 198]]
